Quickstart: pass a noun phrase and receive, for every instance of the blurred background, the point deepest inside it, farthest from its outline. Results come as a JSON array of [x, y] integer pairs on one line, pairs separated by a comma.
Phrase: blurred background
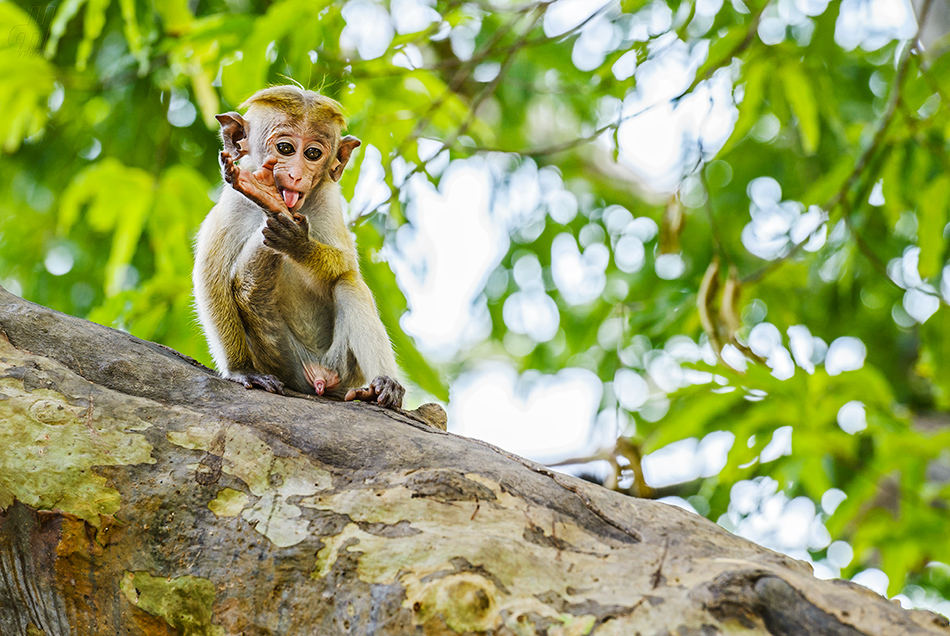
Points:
[[692, 250]]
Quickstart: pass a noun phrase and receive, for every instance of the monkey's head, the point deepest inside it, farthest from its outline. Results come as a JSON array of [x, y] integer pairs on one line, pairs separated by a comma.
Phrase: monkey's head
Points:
[[299, 129]]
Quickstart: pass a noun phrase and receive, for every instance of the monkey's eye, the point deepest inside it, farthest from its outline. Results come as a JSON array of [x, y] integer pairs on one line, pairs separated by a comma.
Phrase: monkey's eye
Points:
[[312, 153], [285, 148]]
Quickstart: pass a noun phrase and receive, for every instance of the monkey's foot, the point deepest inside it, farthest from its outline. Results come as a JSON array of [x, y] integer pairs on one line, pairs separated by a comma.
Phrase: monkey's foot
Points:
[[250, 380], [384, 390], [321, 378]]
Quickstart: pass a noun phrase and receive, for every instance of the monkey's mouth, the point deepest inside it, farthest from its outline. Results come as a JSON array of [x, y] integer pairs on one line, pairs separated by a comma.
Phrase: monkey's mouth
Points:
[[290, 197]]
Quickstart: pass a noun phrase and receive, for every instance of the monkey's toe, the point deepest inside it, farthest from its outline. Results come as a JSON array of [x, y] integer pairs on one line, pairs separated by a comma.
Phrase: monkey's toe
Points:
[[267, 382], [389, 392]]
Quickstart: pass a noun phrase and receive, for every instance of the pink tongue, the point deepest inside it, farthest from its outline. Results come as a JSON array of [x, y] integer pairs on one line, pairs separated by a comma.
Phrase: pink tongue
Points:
[[290, 198]]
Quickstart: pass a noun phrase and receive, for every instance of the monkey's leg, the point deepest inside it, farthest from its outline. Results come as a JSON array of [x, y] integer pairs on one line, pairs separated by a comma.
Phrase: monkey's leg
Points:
[[220, 316], [254, 294]]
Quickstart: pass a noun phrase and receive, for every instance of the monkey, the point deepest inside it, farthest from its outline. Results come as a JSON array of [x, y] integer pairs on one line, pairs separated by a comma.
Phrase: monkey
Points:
[[277, 285]]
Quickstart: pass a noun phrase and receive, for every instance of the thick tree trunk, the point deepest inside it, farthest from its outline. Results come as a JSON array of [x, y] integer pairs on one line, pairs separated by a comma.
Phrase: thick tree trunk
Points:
[[140, 494]]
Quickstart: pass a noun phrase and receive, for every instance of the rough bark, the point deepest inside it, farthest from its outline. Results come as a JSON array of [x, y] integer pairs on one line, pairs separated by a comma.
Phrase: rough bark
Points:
[[140, 494]]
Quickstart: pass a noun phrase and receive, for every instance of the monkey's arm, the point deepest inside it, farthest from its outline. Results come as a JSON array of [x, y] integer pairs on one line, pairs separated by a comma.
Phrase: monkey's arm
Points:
[[359, 334], [291, 235], [284, 232]]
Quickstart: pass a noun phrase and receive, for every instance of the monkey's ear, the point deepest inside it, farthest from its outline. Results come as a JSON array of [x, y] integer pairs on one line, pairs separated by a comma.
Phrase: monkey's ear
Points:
[[233, 130], [347, 144]]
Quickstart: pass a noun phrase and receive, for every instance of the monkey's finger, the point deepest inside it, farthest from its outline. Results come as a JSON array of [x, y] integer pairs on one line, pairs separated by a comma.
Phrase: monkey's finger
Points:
[[279, 230], [278, 218], [381, 389], [288, 227], [227, 164], [284, 219], [265, 174], [302, 222], [390, 398], [264, 177]]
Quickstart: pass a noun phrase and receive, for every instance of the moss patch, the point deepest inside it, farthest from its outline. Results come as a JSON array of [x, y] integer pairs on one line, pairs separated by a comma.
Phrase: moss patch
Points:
[[228, 503], [48, 447], [184, 602], [274, 480], [460, 567]]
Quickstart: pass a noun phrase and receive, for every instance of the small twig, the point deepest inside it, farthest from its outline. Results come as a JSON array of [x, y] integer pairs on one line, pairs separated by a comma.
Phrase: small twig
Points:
[[460, 78]]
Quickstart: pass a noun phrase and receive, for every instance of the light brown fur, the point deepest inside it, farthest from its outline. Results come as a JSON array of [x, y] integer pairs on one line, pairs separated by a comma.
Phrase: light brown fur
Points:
[[277, 282]]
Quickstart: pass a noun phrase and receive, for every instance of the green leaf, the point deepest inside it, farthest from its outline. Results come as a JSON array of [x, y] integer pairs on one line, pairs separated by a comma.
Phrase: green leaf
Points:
[[722, 51], [28, 82], [823, 189], [801, 99], [119, 199], [697, 411], [934, 361], [284, 18], [749, 110], [931, 221], [66, 12], [176, 15], [892, 184], [133, 36], [23, 37], [93, 22]]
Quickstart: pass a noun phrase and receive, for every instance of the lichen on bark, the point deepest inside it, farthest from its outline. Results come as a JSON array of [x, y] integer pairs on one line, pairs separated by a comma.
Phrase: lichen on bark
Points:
[[50, 443]]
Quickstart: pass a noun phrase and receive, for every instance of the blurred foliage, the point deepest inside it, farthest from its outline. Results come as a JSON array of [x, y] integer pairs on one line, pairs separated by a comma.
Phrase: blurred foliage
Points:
[[108, 165]]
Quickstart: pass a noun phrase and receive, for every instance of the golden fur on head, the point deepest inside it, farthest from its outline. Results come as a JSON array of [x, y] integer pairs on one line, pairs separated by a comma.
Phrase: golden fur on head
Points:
[[299, 103]]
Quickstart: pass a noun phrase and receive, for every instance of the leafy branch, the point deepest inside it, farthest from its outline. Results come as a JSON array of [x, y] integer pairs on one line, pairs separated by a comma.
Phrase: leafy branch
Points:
[[863, 169]]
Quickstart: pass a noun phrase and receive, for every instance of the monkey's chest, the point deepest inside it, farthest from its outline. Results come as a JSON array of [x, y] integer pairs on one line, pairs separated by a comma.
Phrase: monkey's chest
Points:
[[306, 313]]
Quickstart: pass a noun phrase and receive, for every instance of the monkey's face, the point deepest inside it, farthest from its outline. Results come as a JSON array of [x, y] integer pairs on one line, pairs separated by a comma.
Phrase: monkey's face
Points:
[[301, 162]]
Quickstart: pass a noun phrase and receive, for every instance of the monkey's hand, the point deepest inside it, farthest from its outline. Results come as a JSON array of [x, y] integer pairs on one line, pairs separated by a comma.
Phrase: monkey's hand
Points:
[[257, 186], [289, 234], [321, 378], [384, 390], [250, 379]]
